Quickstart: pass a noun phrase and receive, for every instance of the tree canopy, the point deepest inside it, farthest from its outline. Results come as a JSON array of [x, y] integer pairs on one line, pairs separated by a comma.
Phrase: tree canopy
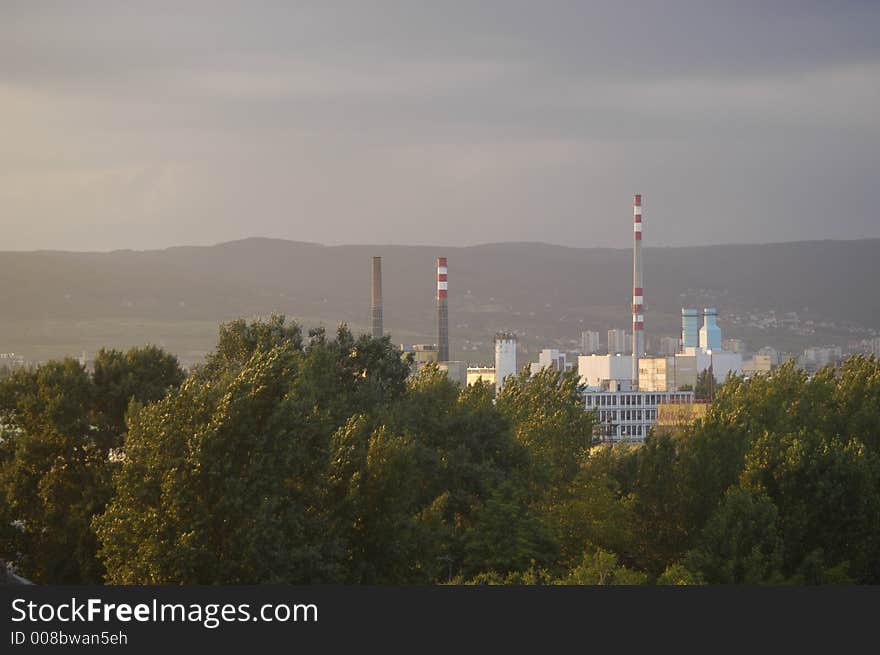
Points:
[[320, 458]]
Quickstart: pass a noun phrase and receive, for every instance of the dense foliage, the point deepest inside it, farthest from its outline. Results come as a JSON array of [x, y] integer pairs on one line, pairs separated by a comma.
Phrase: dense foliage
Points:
[[309, 458], [61, 430]]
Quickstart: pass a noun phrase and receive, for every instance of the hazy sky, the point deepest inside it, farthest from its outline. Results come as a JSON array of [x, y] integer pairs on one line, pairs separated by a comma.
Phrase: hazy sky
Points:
[[142, 125]]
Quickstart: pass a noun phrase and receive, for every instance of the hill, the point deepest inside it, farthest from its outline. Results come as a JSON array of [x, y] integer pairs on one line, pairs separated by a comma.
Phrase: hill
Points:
[[54, 302]]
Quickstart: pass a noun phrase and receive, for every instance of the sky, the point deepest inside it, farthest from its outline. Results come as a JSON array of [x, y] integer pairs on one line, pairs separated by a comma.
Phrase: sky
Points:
[[150, 124]]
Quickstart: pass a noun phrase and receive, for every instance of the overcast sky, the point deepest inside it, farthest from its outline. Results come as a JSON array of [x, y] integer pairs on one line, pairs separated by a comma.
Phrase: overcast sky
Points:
[[143, 125]]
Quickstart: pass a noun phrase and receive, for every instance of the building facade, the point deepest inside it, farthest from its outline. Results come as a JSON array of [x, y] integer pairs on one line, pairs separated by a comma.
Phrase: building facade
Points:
[[589, 342], [505, 357], [690, 328], [710, 333], [596, 370], [480, 373], [625, 415], [618, 342]]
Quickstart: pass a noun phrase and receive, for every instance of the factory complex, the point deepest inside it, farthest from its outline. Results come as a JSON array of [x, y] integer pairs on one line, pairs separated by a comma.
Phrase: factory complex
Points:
[[630, 389]]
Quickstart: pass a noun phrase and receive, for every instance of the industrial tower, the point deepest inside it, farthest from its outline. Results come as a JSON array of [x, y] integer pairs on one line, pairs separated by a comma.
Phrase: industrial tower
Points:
[[638, 303], [376, 299], [442, 312]]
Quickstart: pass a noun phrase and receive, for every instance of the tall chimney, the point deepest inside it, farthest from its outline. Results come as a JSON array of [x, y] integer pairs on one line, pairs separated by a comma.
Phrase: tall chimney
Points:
[[376, 299], [442, 312], [638, 303]]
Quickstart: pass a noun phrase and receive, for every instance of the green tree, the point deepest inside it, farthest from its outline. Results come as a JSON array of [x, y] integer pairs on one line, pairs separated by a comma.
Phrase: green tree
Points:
[[61, 428], [548, 417], [141, 375], [506, 536], [53, 473], [827, 491], [289, 450], [601, 567], [705, 386], [740, 544]]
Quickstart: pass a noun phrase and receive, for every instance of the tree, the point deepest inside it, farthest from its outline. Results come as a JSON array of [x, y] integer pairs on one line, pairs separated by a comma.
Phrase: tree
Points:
[[506, 536], [549, 419], [595, 512], [53, 473], [141, 375], [250, 436], [601, 567], [740, 544], [60, 429], [705, 386], [827, 490]]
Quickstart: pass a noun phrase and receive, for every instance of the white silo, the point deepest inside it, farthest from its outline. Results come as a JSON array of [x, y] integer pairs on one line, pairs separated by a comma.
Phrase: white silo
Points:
[[505, 357]]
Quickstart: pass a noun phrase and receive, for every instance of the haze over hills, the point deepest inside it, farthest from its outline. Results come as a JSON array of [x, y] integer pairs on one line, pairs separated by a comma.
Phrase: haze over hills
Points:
[[56, 302]]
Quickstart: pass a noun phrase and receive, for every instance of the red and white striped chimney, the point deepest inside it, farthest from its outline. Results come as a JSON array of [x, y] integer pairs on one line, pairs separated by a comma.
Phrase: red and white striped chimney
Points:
[[442, 311], [638, 302]]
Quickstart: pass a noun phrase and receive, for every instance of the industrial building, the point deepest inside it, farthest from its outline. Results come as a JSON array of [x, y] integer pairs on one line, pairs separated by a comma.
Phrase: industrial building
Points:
[[505, 358], [422, 353], [674, 416], [626, 415], [689, 364], [657, 374], [596, 370], [710, 333], [690, 328], [481, 373], [455, 372]]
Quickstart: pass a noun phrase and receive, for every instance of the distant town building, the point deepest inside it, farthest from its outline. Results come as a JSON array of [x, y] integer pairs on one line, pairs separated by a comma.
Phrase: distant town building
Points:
[[818, 357], [772, 353], [12, 361], [589, 342], [759, 364], [549, 358], [734, 346], [618, 342]]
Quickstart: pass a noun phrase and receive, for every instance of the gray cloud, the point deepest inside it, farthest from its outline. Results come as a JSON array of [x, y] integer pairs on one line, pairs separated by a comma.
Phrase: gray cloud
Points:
[[445, 123]]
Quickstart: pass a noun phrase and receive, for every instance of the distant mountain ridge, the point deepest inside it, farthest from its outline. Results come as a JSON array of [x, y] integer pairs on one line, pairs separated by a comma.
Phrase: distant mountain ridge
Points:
[[541, 288]]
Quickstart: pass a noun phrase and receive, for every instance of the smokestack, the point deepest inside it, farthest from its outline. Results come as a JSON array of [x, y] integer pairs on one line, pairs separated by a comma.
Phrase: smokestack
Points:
[[638, 303], [376, 299], [442, 312]]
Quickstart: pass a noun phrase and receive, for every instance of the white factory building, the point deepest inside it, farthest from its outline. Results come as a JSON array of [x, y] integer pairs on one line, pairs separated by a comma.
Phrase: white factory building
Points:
[[597, 369]]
